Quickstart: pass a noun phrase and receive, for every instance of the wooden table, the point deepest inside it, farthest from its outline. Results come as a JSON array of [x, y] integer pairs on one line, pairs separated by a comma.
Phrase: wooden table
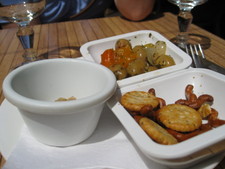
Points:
[[65, 39]]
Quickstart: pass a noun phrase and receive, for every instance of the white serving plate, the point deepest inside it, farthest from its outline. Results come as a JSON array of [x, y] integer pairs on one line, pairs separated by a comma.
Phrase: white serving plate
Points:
[[93, 50], [11, 121], [171, 87]]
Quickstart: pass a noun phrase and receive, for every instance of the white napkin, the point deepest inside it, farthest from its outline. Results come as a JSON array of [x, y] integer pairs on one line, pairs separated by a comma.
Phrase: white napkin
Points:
[[109, 147]]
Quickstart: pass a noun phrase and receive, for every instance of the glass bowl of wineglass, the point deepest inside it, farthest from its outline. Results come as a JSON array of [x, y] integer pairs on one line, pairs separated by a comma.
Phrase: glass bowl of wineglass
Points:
[[22, 12], [184, 20]]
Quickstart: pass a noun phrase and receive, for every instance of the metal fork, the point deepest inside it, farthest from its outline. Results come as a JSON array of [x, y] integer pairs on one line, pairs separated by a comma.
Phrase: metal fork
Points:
[[196, 53], [199, 60]]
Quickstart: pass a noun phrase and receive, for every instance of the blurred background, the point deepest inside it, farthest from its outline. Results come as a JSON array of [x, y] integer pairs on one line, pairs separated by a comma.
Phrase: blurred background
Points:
[[209, 16]]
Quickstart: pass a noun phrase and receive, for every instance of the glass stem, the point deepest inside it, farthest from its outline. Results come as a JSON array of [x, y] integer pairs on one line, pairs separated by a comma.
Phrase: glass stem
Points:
[[26, 36], [184, 21]]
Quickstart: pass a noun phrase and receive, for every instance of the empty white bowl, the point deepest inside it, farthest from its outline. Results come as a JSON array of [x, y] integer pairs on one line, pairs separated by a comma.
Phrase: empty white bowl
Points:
[[33, 89]]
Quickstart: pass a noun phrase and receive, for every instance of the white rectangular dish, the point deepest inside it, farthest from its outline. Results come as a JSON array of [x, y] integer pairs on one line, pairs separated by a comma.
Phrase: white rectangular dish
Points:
[[92, 51], [171, 88]]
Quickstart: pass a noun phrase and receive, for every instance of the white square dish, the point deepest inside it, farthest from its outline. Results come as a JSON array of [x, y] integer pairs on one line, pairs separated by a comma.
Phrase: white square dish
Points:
[[93, 50], [171, 88]]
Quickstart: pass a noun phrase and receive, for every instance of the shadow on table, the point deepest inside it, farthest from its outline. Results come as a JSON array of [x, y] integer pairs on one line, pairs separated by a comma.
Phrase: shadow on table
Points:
[[62, 52]]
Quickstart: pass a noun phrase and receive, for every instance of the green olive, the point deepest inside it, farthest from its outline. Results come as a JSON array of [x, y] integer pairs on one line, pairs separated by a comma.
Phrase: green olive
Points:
[[150, 53], [137, 47], [160, 48], [119, 71], [164, 61], [122, 43], [151, 68], [120, 52], [136, 67], [140, 51], [150, 50], [149, 45]]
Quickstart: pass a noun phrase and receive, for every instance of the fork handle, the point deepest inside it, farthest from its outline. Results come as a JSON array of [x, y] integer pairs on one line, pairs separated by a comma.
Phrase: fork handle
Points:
[[210, 65]]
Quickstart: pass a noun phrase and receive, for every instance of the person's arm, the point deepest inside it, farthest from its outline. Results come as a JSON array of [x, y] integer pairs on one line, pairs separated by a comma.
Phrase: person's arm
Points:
[[135, 10], [55, 10]]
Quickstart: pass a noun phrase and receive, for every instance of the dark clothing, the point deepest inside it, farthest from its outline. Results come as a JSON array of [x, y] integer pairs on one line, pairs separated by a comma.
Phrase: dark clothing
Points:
[[61, 10], [209, 16]]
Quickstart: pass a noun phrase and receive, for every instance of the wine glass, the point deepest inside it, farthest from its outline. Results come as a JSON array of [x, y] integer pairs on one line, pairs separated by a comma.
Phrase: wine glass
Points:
[[22, 12], [184, 20]]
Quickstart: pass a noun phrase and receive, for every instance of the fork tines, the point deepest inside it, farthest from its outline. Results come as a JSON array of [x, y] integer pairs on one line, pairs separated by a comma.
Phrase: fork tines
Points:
[[196, 53]]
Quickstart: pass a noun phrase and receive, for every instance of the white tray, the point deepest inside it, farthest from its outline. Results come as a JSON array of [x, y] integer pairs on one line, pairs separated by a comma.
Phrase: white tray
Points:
[[171, 88], [93, 50]]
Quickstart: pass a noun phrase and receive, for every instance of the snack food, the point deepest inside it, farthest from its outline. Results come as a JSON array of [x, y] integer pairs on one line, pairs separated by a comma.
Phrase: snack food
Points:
[[156, 132], [179, 117], [65, 99], [125, 61], [135, 100], [182, 120]]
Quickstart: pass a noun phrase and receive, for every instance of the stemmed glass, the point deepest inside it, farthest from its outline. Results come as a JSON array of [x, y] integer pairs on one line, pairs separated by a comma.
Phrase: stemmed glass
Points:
[[184, 20], [22, 12]]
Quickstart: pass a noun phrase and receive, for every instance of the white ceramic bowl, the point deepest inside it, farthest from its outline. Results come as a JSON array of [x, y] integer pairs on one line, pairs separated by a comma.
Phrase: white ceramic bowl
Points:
[[93, 50], [171, 87], [33, 89]]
